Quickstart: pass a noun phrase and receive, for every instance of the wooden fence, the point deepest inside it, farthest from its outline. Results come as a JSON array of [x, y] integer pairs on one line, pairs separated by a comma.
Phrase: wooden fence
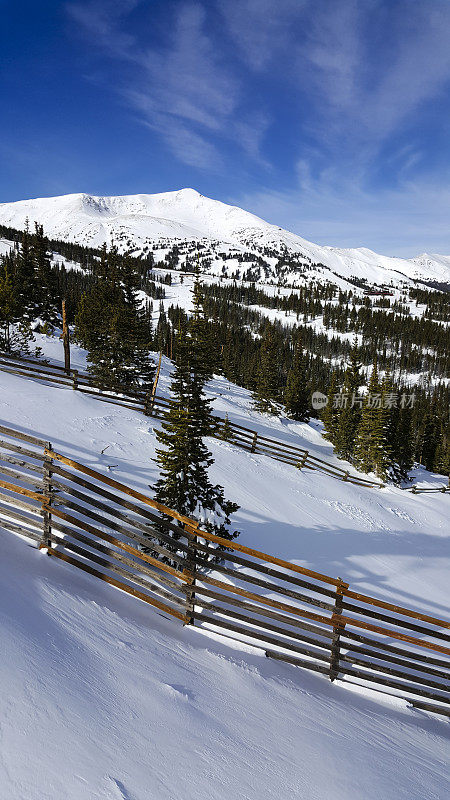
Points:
[[314, 621], [154, 405], [442, 489]]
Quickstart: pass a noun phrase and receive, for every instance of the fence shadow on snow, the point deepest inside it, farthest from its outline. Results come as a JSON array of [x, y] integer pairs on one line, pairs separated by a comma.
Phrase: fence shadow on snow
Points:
[[119, 535]]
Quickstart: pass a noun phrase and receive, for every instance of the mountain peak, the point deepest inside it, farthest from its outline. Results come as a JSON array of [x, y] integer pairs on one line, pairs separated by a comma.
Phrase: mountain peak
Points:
[[142, 220]]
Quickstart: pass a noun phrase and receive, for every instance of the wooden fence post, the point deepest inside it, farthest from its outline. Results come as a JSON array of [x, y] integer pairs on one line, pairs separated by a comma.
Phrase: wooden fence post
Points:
[[66, 339], [150, 396], [47, 493], [303, 461], [190, 571], [255, 437], [338, 627], [346, 476], [75, 378]]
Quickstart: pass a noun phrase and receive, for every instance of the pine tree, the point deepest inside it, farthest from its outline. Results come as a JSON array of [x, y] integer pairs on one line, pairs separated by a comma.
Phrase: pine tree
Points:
[[385, 464], [225, 431], [125, 273], [100, 268], [401, 441], [115, 330], [25, 275], [44, 279], [22, 338], [349, 412], [429, 437], [296, 394], [162, 330], [441, 462], [9, 306], [330, 414], [202, 344], [369, 435], [267, 379], [184, 457]]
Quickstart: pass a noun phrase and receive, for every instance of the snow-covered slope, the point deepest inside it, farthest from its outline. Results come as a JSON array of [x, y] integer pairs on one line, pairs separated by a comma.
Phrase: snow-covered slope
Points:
[[103, 699], [139, 221], [438, 265]]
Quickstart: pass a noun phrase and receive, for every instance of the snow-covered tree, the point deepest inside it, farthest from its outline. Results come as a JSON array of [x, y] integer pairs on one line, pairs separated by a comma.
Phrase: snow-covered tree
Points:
[[184, 458]]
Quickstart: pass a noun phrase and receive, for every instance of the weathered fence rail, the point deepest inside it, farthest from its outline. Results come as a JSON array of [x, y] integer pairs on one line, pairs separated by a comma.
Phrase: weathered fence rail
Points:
[[419, 490], [154, 405], [119, 535]]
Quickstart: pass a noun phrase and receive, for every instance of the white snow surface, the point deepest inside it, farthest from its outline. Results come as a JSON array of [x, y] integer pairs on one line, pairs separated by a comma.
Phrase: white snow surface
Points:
[[104, 699], [186, 215]]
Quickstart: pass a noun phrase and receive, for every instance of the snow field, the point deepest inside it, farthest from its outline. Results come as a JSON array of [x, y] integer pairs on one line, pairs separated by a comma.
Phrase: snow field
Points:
[[104, 699]]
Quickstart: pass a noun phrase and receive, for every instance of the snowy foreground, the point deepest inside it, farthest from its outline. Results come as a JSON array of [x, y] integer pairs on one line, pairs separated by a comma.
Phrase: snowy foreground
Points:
[[104, 699]]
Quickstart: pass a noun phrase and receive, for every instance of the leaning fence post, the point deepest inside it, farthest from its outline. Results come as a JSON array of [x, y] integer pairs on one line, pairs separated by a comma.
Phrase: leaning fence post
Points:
[[150, 396], [65, 338], [303, 460], [47, 494], [190, 571], [255, 437], [338, 627]]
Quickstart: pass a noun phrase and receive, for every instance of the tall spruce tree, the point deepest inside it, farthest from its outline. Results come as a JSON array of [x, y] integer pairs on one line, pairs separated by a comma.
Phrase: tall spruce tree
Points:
[[401, 439], [27, 291], [429, 434], [296, 393], [385, 463], [441, 462], [200, 334], [349, 413], [267, 378], [184, 458], [370, 434], [162, 331], [330, 414], [44, 279], [10, 307]]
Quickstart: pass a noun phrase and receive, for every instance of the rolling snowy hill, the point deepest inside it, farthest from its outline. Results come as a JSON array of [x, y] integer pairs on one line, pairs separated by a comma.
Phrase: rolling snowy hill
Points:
[[229, 235]]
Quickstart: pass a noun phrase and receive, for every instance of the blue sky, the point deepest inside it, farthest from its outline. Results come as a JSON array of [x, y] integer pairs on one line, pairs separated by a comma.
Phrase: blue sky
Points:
[[327, 117]]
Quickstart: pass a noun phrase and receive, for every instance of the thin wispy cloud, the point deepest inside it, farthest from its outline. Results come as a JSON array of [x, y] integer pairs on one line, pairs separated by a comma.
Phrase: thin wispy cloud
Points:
[[322, 103], [404, 221], [261, 29], [101, 18], [362, 78], [358, 83], [182, 86]]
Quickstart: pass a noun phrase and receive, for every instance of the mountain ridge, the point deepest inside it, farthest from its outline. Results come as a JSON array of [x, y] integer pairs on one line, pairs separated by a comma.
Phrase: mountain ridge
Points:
[[142, 222]]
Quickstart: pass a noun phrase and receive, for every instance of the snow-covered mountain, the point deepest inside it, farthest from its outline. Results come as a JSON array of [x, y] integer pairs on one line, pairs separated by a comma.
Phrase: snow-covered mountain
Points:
[[233, 240]]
